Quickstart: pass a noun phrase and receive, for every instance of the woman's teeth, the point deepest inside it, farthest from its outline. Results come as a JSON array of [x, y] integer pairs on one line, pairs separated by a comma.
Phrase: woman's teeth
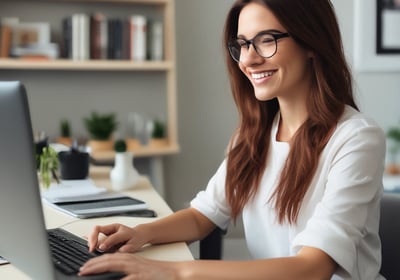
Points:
[[261, 75]]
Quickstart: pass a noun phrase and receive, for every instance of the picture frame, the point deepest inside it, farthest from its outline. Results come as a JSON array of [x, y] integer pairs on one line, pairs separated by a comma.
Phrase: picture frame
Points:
[[375, 48], [30, 33], [388, 27]]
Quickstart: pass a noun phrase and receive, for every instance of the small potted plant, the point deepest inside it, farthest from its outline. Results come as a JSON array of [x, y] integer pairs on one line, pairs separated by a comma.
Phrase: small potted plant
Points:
[[100, 128], [65, 133], [48, 167], [123, 175], [393, 134], [158, 134]]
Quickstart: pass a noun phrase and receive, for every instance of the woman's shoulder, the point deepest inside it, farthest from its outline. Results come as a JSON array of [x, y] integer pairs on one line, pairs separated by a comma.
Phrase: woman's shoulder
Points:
[[353, 118], [354, 123]]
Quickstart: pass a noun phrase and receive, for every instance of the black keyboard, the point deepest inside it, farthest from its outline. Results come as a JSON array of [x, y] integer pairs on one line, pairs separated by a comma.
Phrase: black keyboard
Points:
[[68, 251]]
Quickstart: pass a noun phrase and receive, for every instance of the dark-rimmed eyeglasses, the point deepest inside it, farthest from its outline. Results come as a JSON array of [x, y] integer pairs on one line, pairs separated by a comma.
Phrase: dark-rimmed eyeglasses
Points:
[[265, 44]]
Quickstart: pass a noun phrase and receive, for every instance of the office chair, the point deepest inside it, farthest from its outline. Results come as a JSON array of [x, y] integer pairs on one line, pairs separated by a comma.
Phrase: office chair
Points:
[[389, 232], [211, 245]]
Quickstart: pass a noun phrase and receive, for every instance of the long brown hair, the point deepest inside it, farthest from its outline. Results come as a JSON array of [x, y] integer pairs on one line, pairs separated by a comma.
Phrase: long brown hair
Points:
[[313, 25]]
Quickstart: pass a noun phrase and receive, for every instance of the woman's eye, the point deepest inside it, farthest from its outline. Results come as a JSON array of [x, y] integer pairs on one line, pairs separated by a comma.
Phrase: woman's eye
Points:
[[267, 40], [242, 43]]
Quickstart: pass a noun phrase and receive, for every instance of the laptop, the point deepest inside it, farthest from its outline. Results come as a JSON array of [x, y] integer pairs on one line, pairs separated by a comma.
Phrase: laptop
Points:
[[24, 239]]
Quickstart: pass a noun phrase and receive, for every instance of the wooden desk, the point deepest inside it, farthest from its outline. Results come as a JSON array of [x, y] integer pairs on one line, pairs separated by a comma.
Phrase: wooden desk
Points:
[[81, 227]]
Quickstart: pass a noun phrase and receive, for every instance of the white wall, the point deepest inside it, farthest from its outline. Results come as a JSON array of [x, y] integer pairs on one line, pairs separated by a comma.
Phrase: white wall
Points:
[[378, 92], [206, 114]]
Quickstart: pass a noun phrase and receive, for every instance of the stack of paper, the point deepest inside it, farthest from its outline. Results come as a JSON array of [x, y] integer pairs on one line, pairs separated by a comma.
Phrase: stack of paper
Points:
[[72, 190], [83, 199]]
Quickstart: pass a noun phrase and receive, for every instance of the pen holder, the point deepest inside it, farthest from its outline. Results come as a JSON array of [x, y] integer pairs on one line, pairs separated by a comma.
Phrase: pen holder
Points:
[[74, 165]]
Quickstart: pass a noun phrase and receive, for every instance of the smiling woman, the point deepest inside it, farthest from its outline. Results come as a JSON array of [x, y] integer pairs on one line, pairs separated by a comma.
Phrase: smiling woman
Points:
[[303, 169]]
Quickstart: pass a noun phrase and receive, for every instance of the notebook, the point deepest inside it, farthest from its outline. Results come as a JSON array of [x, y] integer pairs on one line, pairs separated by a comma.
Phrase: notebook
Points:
[[23, 237], [83, 199]]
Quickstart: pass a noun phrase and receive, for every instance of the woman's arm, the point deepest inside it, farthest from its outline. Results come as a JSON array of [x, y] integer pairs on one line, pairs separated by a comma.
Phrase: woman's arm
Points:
[[309, 264], [184, 225]]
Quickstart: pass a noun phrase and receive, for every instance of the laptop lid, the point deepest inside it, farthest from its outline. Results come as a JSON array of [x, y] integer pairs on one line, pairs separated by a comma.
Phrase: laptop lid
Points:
[[23, 239], [23, 235]]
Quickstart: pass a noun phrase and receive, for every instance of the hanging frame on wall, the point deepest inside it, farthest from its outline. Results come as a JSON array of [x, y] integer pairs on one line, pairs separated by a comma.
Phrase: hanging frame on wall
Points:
[[377, 35]]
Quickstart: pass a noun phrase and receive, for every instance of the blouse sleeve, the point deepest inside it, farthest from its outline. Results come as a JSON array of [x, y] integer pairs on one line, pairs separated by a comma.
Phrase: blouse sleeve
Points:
[[346, 221], [211, 202]]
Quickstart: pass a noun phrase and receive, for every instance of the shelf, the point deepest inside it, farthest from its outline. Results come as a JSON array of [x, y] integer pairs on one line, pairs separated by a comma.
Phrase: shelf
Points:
[[98, 65], [145, 151], [158, 76], [142, 2]]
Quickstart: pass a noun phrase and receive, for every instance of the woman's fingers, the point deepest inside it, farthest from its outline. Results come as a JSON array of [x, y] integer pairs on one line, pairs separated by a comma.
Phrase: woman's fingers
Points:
[[132, 266], [93, 238], [115, 236], [108, 263]]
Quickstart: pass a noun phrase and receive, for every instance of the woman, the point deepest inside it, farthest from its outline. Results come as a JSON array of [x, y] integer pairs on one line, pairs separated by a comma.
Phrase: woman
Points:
[[304, 168]]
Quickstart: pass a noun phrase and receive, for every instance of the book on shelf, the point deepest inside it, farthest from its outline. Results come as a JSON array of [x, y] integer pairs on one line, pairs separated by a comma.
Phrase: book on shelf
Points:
[[138, 37], [80, 36], [44, 51], [76, 32], [115, 39], [66, 44], [95, 36], [5, 35], [156, 40], [98, 36], [5, 40]]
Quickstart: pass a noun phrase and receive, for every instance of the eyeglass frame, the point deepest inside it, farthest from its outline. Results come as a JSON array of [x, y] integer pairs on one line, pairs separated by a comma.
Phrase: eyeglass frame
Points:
[[276, 37]]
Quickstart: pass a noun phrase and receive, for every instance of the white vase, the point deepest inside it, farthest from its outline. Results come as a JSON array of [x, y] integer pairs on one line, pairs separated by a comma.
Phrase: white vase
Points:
[[123, 175]]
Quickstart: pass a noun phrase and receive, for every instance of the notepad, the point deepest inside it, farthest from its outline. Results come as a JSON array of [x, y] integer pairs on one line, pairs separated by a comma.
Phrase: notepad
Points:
[[99, 205], [3, 260], [72, 190], [83, 199]]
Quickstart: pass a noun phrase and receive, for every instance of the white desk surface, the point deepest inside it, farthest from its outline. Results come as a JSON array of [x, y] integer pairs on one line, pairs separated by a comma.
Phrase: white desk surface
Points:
[[81, 227]]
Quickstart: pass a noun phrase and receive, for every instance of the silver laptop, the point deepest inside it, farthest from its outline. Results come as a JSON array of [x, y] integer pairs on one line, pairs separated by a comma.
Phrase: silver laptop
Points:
[[24, 239]]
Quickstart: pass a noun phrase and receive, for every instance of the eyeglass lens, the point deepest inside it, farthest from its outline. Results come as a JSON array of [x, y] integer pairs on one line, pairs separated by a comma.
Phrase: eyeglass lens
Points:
[[264, 44]]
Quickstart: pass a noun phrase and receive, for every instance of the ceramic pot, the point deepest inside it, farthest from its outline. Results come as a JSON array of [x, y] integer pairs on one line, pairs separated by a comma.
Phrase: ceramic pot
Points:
[[123, 175], [74, 165]]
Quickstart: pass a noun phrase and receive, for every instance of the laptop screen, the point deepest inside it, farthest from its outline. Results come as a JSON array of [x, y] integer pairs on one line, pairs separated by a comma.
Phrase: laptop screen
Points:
[[23, 238]]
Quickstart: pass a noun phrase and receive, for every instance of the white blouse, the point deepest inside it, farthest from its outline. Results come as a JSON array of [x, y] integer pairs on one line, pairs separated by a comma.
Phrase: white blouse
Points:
[[339, 213]]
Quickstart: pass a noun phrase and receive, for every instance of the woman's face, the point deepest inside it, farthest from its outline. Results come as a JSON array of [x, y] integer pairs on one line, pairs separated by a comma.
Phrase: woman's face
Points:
[[285, 75]]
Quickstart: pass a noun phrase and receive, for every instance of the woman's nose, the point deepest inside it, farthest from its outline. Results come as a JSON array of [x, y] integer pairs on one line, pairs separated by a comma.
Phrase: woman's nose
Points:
[[251, 56]]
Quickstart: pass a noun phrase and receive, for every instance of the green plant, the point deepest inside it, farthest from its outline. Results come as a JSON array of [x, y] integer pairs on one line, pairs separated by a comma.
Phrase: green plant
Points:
[[394, 134], [65, 128], [120, 146], [100, 126], [48, 166], [158, 129]]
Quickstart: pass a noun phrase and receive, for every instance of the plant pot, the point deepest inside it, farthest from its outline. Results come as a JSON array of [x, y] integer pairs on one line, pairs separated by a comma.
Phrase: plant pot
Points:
[[101, 145], [158, 142], [67, 141], [393, 169], [74, 165], [132, 144], [123, 175]]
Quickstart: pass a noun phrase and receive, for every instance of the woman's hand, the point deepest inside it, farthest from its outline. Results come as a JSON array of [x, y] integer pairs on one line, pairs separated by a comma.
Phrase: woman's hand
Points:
[[116, 237], [133, 266]]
